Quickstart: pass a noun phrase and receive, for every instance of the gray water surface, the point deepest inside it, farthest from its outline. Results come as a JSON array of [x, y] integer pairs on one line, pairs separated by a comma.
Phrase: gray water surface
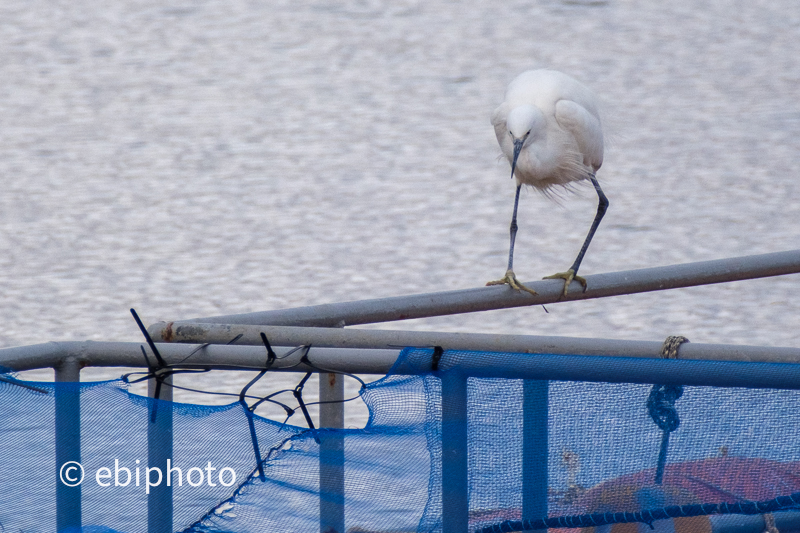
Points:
[[202, 158]]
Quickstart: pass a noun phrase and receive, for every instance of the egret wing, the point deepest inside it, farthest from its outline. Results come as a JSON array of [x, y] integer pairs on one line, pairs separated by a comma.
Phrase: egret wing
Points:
[[585, 128]]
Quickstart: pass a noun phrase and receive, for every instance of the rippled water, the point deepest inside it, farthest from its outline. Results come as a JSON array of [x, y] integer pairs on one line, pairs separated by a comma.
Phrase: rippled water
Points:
[[199, 158]]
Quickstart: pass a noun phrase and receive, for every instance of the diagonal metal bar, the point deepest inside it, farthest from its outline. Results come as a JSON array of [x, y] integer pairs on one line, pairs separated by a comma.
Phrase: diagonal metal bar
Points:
[[499, 297], [199, 333]]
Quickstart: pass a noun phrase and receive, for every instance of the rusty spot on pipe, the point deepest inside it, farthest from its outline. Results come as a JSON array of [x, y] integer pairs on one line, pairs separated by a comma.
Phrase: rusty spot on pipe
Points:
[[331, 379], [167, 334]]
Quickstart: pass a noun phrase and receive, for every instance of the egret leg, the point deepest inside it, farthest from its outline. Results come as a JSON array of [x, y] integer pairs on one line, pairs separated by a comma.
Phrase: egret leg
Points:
[[510, 278], [572, 273]]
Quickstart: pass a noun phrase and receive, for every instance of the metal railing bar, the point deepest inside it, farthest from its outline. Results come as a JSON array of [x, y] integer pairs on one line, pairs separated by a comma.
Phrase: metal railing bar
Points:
[[487, 364], [198, 333], [500, 297], [129, 354]]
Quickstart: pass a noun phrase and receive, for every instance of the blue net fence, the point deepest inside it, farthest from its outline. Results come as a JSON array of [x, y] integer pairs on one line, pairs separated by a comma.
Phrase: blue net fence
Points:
[[731, 453]]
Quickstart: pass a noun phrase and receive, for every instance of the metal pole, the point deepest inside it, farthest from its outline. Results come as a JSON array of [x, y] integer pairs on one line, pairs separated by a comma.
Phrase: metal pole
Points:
[[383, 339], [622, 370], [159, 451], [534, 449], [373, 361], [91, 353], [498, 297], [331, 454], [68, 443], [455, 478]]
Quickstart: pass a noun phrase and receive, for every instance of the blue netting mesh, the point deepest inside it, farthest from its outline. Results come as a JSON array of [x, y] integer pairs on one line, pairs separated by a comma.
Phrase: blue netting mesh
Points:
[[733, 446]]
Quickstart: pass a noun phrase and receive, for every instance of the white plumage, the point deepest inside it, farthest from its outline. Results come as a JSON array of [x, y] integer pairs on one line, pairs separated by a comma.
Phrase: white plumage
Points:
[[548, 127], [565, 143]]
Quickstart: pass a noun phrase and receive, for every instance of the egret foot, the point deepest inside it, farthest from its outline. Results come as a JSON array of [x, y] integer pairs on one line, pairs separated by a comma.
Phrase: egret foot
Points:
[[568, 276], [511, 280]]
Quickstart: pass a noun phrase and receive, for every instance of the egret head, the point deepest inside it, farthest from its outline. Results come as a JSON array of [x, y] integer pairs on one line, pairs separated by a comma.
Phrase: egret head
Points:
[[521, 121]]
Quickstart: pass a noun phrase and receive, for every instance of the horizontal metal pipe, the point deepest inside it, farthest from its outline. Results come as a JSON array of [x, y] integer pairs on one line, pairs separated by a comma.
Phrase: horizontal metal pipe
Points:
[[197, 333], [91, 353], [499, 297], [366, 361], [619, 370]]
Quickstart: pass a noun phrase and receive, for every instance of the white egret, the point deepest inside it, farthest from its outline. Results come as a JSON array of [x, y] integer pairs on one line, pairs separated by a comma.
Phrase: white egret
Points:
[[549, 129]]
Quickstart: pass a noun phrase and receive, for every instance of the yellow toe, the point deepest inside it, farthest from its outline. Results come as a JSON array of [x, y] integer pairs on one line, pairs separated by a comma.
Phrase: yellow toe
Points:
[[568, 277], [511, 280]]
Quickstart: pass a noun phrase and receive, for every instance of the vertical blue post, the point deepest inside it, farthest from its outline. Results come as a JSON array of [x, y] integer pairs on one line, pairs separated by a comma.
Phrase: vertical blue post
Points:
[[534, 449], [331, 454], [455, 488], [68, 443], [159, 449]]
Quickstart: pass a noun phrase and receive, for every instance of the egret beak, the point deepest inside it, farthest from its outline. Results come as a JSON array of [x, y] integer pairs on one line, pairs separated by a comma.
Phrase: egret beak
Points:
[[517, 149]]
